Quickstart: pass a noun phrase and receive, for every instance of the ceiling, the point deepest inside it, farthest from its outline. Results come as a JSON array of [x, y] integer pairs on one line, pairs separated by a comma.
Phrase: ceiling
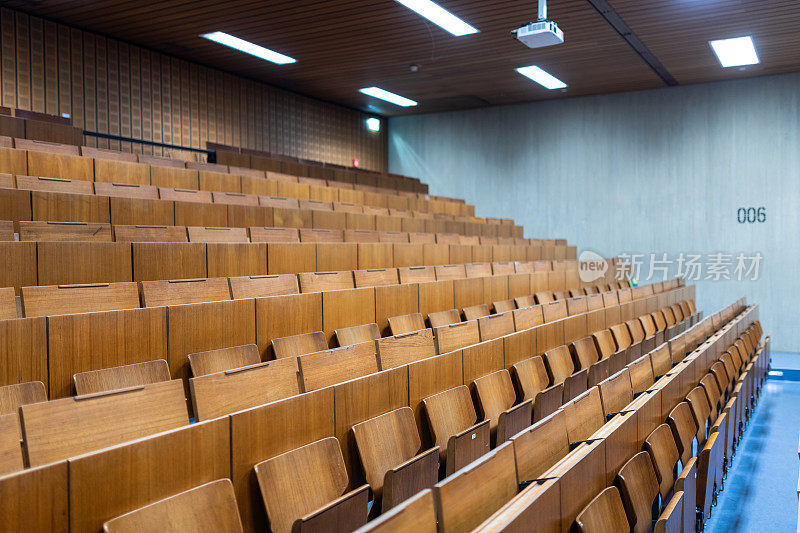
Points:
[[343, 45]]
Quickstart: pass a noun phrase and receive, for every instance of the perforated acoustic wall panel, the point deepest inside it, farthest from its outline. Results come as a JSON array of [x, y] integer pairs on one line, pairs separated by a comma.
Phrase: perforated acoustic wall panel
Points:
[[113, 87]]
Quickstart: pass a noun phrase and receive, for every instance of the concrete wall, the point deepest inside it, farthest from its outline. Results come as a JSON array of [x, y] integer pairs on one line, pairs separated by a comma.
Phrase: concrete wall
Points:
[[660, 171]]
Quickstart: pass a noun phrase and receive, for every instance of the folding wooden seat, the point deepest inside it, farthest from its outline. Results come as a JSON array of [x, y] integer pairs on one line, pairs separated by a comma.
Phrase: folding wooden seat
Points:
[[326, 281], [121, 377], [713, 395], [684, 428], [495, 326], [125, 233], [217, 235], [544, 297], [234, 198], [460, 506], [575, 293], [235, 389], [678, 313], [473, 312], [533, 382], [210, 506], [528, 317], [478, 270], [639, 487], [184, 291], [497, 399], [524, 301], [456, 336], [394, 462], [504, 306], [445, 272], [347, 207], [616, 393], [641, 373], [337, 365], [361, 235], [455, 428], [48, 184], [661, 361], [399, 325], [624, 342], [405, 348], [663, 450], [101, 420], [357, 334], [184, 195], [261, 234], [701, 411], [11, 398], [376, 277], [64, 231], [585, 356], [301, 344], [503, 268], [51, 300], [560, 368], [213, 361], [605, 513], [445, 318], [393, 236], [416, 274], [584, 415], [447, 238], [305, 490], [417, 513]]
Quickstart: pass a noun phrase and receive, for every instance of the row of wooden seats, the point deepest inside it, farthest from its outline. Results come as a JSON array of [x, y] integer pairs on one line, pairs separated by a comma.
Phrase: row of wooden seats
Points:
[[313, 405], [712, 417], [38, 230], [69, 262], [219, 389], [557, 494], [25, 124], [63, 162]]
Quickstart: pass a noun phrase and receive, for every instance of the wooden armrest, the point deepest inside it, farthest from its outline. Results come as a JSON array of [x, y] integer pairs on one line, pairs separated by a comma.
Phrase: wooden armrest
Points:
[[406, 479], [348, 512], [547, 402]]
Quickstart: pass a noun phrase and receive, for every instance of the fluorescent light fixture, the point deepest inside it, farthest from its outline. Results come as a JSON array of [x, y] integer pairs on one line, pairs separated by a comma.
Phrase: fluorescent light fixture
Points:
[[374, 124], [541, 77], [439, 16], [735, 52], [248, 48], [396, 99]]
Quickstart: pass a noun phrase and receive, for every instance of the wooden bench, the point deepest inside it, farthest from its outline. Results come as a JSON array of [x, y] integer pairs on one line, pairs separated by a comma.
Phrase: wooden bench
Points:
[[639, 488], [121, 377]]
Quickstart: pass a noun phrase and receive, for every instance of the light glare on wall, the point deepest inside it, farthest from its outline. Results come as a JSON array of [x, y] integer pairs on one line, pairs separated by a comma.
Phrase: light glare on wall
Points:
[[392, 98], [374, 124], [543, 78], [735, 52], [248, 48], [439, 16]]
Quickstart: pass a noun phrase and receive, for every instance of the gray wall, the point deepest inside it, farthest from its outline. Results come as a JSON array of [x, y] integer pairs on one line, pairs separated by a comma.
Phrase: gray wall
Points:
[[654, 171]]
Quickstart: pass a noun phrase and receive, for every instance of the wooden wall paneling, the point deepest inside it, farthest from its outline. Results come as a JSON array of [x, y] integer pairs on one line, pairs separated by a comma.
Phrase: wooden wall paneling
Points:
[[23, 348], [9, 51], [101, 84], [263, 432], [93, 341], [284, 316], [125, 90], [136, 105], [23, 62], [186, 105], [36, 499], [192, 455], [89, 87], [37, 57], [112, 54]]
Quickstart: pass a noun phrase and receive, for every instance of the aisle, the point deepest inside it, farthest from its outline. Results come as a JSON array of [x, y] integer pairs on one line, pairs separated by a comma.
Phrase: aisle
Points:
[[760, 491]]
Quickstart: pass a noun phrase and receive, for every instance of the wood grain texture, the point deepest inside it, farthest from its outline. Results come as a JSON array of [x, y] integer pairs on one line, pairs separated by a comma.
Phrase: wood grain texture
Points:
[[346, 308], [165, 261], [415, 514], [126, 233], [284, 316], [36, 499], [456, 336], [121, 377], [142, 209], [64, 263], [213, 361], [329, 367], [218, 235], [154, 468], [187, 291], [70, 299], [64, 231], [96, 423], [263, 286], [211, 505], [23, 344]]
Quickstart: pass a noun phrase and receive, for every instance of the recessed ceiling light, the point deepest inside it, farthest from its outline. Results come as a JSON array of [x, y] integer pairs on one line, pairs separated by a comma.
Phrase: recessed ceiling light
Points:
[[248, 48], [396, 99], [374, 124], [735, 52], [439, 16], [541, 77]]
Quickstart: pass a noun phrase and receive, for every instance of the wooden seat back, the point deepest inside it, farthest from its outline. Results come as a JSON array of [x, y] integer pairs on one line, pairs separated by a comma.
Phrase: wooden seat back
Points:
[[478, 270], [13, 396], [616, 392], [456, 336], [100, 420], [524, 301], [635, 330], [555, 310], [274, 235], [495, 394], [648, 325], [701, 411], [663, 450], [357, 334], [321, 235], [405, 348], [641, 372], [584, 415], [299, 344], [87, 298], [639, 488], [444, 318], [449, 413], [210, 507], [329, 367], [376, 277], [528, 317], [213, 361], [604, 514], [540, 446], [126, 190], [473, 312], [121, 377], [301, 481], [460, 507], [416, 274], [605, 343], [544, 297], [47, 184], [684, 428], [559, 364], [326, 281], [531, 377], [184, 291], [11, 459], [584, 353], [504, 306], [622, 336], [713, 394], [226, 392], [243, 287], [661, 360], [399, 325]]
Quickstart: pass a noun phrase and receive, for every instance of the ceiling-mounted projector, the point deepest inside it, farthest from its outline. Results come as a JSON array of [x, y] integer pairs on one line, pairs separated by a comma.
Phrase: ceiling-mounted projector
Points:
[[541, 33]]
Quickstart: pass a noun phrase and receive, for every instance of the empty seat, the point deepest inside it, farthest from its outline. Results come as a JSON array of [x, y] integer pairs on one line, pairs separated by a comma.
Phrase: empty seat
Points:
[[478, 270], [472, 313], [660, 444], [544, 297], [357, 334], [391, 453], [299, 344], [42, 184], [455, 428], [560, 368], [336, 365], [305, 490], [326, 281], [321, 235], [399, 325], [456, 336], [184, 291], [497, 399], [213, 361], [444, 318], [121, 377], [684, 428], [51, 300], [405, 348], [393, 236], [532, 380], [184, 195], [126, 190], [360, 235], [504, 306], [64, 231], [495, 326], [639, 488], [605, 513]]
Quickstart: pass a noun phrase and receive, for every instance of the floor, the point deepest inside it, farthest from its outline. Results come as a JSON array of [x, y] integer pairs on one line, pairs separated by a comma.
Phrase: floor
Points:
[[760, 492]]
